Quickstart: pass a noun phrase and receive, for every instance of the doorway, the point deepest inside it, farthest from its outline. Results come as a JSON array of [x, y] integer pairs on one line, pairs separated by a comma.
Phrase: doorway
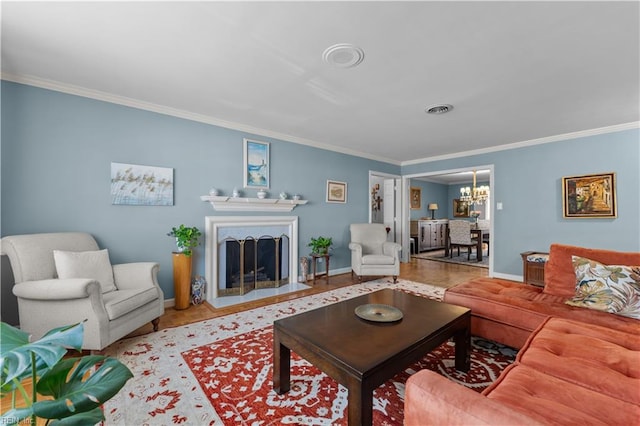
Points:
[[385, 203], [454, 178]]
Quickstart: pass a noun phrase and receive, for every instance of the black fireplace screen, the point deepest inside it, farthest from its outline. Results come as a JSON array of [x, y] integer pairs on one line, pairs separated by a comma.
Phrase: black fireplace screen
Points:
[[250, 263]]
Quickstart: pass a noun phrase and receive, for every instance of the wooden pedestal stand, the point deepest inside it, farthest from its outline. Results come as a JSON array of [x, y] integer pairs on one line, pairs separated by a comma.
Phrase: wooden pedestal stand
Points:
[[182, 280]]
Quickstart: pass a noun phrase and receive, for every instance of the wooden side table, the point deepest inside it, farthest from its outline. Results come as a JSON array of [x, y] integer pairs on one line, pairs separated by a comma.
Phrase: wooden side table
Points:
[[314, 261], [533, 267]]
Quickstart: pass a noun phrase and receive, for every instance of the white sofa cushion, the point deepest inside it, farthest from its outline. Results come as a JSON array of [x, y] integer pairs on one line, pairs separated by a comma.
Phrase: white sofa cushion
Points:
[[121, 302], [377, 259], [86, 264]]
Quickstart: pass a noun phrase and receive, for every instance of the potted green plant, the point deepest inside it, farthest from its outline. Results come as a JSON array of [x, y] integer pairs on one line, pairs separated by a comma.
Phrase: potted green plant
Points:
[[320, 245], [76, 387], [186, 239]]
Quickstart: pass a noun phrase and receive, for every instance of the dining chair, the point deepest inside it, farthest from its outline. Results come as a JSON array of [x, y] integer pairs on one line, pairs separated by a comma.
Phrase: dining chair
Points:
[[460, 236], [485, 225]]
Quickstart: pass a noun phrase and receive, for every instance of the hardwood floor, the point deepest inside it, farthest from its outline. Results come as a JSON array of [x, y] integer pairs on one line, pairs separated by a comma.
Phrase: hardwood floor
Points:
[[418, 270]]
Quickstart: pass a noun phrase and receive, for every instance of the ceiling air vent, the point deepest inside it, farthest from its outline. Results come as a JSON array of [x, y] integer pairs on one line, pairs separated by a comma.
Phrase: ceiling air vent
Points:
[[439, 109]]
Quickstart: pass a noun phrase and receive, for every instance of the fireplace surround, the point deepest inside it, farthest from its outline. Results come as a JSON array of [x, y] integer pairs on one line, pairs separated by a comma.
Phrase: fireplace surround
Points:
[[220, 230]]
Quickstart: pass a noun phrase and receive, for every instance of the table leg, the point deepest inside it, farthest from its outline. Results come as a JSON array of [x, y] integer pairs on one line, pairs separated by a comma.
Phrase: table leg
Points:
[[315, 261], [462, 342], [360, 407], [281, 365], [479, 247], [327, 270]]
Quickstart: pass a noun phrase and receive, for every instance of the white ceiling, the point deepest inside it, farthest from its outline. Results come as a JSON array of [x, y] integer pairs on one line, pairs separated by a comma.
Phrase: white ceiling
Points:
[[514, 71]]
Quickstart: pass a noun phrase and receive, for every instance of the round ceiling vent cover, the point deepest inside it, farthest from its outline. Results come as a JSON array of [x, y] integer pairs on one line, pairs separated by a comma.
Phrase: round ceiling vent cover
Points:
[[439, 109], [343, 55]]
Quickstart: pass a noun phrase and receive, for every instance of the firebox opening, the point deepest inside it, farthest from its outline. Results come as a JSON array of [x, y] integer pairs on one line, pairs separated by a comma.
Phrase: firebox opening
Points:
[[250, 263]]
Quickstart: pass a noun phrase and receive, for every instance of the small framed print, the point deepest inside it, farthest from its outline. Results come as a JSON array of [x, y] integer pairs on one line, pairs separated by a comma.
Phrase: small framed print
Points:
[[416, 198], [460, 208], [256, 164], [336, 192], [589, 196]]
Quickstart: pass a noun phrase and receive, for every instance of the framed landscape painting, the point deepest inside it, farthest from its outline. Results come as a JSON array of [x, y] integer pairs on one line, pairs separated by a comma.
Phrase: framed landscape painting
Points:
[[589, 196], [138, 185], [256, 164]]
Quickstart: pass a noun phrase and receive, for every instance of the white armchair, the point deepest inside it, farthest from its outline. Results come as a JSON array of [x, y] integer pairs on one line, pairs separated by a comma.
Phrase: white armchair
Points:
[[63, 279], [371, 253]]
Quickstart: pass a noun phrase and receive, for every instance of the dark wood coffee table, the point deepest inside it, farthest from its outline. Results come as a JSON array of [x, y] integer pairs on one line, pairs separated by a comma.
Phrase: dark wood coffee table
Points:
[[361, 354]]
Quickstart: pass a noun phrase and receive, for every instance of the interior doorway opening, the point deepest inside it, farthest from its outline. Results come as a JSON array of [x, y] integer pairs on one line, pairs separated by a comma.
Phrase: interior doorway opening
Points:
[[453, 179], [385, 203]]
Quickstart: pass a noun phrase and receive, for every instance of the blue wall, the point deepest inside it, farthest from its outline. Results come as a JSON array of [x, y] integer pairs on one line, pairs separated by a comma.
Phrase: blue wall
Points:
[[528, 182], [431, 193], [57, 151]]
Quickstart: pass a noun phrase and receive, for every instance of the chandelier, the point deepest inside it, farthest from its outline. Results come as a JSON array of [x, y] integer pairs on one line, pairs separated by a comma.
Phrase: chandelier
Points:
[[475, 195]]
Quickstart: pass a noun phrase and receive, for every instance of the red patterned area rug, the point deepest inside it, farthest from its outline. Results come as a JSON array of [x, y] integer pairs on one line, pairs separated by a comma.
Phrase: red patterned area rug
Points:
[[236, 374], [218, 371]]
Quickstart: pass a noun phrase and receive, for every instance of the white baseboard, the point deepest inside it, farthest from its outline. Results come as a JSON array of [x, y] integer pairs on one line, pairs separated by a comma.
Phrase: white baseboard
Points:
[[331, 273], [511, 277]]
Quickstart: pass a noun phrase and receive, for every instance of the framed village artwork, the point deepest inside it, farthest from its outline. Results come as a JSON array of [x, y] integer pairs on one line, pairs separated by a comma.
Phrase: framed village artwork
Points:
[[589, 196]]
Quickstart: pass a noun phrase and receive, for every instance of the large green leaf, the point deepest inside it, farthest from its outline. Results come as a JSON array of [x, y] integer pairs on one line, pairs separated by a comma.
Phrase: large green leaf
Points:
[[92, 417], [15, 355], [80, 385]]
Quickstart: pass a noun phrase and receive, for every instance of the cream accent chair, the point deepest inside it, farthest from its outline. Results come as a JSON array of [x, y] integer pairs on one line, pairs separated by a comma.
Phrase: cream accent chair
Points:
[[371, 253], [46, 301], [460, 236]]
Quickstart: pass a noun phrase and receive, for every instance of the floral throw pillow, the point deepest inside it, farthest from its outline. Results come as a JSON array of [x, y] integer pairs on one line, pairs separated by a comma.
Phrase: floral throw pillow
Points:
[[608, 288]]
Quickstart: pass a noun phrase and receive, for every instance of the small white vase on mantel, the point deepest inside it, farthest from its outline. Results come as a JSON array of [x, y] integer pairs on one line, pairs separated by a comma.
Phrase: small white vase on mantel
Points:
[[262, 194]]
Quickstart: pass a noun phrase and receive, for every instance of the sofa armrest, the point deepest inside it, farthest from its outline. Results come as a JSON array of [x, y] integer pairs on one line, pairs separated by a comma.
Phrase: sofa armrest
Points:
[[431, 399], [391, 249], [356, 254], [355, 247], [57, 289], [129, 276]]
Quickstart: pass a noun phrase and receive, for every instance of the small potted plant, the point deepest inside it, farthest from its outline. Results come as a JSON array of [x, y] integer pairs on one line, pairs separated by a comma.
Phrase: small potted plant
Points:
[[475, 214], [320, 245], [186, 240]]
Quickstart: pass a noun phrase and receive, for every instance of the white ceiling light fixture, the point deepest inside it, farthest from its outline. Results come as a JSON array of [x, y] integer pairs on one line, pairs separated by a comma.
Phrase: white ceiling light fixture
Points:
[[438, 109], [343, 55]]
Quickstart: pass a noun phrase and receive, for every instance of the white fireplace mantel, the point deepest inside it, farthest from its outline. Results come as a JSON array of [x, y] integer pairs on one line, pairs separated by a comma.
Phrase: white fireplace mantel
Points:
[[216, 227], [240, 204]]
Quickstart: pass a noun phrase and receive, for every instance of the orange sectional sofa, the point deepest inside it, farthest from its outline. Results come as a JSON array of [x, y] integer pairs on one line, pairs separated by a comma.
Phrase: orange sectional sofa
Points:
[[575, 365]]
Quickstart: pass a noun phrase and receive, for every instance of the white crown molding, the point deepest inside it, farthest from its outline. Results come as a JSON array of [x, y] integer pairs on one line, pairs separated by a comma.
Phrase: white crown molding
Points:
[[187, 115], [539, 141]]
